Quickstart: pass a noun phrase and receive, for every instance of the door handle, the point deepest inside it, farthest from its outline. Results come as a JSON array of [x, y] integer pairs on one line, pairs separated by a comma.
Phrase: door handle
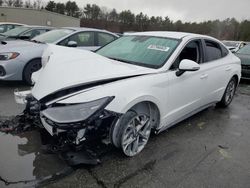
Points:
[[203, 76], [228, 68]]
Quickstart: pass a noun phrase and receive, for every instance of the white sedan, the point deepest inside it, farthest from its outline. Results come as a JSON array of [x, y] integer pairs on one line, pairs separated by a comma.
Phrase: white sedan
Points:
[[140, 83]]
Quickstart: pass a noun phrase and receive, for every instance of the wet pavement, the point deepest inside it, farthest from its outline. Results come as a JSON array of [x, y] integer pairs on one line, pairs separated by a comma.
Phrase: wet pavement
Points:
[[210, 149]]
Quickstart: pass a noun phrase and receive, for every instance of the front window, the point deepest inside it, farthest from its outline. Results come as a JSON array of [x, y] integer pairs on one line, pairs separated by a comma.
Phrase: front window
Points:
[[17, 31], [81, 39], [245, 50], [53, 36], [146, 51]]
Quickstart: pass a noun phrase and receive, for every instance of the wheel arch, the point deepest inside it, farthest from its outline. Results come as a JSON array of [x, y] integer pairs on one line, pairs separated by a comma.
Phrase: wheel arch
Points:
[[147, 104], [29, 61], [237, 78]]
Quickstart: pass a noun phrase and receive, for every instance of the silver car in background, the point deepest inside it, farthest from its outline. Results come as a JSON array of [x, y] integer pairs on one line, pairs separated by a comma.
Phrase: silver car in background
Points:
[[20, 58]]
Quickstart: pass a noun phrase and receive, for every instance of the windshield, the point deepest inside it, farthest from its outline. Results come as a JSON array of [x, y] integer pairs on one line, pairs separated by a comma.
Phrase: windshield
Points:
[[17, 31], [53, 36], [140, 50], [244, 50], [231, 44]]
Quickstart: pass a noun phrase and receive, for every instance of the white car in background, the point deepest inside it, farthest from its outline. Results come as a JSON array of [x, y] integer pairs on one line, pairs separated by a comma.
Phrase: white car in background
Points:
[[20, 58], [26, 32], [139, 83], [6, 26]]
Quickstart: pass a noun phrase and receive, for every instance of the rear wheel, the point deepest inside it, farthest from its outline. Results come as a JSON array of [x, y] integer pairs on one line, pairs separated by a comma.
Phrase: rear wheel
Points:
[[229, 93], [31, 67]]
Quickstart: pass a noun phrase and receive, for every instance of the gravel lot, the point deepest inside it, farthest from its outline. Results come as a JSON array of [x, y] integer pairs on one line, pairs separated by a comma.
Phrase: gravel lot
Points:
[[210, 149]]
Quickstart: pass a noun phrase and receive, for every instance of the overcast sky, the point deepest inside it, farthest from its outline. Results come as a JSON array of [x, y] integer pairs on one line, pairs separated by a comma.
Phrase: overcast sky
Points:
[[185, 10]]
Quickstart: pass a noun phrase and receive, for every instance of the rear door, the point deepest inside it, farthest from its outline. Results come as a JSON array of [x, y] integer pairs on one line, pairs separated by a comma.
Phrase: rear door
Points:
[[218, 69]]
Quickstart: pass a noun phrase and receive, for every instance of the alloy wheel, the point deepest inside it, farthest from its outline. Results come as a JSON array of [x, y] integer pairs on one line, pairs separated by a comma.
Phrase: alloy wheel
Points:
[[136, 135]]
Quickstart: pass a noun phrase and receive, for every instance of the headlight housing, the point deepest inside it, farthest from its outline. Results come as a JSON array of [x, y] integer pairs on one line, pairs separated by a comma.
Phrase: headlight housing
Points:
[[8, 56], [76, 112]]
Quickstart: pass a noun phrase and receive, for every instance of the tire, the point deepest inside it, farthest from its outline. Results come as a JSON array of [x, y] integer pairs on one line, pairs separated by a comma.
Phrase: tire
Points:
[[132, 133], [32, 66], [228, 94]]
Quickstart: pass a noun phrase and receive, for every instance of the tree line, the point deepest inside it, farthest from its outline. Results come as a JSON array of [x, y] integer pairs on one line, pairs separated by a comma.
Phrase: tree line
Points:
[[92, 15]]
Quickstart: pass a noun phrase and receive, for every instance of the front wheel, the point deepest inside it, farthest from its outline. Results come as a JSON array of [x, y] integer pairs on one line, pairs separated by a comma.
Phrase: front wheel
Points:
[[229, 93], [133, 133], [31, 67]]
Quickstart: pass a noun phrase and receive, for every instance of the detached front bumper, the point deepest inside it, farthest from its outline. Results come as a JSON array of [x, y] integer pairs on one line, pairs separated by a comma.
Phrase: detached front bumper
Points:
[[95, 127]]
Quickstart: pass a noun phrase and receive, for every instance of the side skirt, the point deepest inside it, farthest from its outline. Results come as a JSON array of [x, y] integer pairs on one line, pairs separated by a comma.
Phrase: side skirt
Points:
[[184, 117]]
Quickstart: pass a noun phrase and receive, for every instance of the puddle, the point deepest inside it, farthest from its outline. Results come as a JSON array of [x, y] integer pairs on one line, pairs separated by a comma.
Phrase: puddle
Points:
[[22, 160]]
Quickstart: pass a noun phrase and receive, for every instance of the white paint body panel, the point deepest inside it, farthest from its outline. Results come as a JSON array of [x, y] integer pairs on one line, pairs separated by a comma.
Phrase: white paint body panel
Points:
[[174, 96]]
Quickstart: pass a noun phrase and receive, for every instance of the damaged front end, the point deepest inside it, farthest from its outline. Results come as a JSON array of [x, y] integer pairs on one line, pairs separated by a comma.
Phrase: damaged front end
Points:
[[71, 130]]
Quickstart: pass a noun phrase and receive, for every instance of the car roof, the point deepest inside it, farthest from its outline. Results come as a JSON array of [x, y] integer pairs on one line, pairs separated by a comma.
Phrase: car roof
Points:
[[37, 26], [167, 34], [13, 23], [87, 29]]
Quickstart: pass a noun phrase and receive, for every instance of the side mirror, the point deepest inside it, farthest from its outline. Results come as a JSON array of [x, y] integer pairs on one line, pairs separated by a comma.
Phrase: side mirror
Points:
[[187, 65], [72, 44]]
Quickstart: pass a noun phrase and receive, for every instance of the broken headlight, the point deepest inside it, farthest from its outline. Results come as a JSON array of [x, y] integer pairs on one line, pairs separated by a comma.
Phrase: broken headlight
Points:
[[75, 112]]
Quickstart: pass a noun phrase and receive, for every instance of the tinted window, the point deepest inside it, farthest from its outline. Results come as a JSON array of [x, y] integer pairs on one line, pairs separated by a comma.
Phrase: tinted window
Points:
[[213, 51], [104, 38], [82, 39]]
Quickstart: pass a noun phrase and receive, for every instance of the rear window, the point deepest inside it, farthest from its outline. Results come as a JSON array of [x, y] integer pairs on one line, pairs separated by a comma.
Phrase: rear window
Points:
[[104, 38], [213, 50]]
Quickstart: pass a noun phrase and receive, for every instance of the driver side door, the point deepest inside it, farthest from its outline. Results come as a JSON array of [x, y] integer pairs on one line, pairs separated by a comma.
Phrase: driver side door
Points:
[[187, 91]]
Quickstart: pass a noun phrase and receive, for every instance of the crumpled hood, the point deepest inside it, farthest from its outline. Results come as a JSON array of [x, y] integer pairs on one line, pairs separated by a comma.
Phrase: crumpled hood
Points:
[[245, 59], [15, 45], [70, 67]]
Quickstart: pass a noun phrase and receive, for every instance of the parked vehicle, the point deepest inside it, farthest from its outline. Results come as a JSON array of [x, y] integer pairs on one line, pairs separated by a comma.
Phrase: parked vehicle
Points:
[[234, 46], [244, 55], [19, 59], [24, 32], [139, 83], [6, 26]]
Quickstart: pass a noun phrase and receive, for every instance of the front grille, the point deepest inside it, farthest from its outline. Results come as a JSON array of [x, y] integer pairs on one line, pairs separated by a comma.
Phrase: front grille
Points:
[[2, 71], [246, 67]]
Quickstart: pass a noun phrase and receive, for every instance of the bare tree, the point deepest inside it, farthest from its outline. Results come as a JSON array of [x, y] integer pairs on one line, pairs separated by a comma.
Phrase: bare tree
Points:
[[9, 2], [27, 4], [18, 3]]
